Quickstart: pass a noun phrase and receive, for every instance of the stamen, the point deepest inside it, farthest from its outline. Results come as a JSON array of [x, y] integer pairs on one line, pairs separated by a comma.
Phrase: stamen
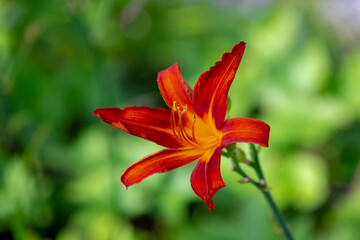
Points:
[[177, 127], [182, 130], [184, 110], [173, 122], [193, 129]]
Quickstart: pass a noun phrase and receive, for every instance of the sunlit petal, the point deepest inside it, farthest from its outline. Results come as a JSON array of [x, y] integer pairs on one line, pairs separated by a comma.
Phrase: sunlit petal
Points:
[[174, 88], [211, 90], [245, 130], [206, 178], [149, 123], [162, 161]]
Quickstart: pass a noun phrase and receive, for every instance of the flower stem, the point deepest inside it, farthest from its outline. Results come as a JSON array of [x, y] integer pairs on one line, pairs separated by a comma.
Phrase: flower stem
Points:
[[266, 193], [278, 216], [264, 189]]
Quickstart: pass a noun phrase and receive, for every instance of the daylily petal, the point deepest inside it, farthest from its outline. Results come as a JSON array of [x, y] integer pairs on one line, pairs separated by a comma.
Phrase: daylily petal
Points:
[[162, 161], [206, 178], [149, 123], [245, 130], [174, 88], [211, 90]]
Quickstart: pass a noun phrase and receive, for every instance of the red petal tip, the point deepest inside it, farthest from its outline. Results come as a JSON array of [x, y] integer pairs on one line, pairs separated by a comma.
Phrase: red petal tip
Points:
[[97, 113], [210, 205], [126, 185], [211, 90]]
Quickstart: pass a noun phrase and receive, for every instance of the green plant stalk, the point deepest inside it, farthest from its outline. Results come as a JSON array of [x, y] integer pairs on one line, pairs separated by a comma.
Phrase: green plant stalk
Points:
[[278, 216], [262, 186], [264, 190]]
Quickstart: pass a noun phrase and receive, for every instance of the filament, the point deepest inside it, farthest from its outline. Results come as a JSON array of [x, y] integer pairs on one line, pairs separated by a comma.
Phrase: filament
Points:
[[179, 130], [193, 128]]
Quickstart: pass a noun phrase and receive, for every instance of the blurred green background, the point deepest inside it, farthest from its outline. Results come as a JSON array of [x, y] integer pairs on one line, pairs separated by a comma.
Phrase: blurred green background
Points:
[[60, 166]]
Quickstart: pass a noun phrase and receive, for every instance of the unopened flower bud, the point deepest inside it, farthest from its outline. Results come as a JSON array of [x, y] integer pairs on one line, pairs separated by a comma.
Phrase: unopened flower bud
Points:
[[228, 105], [244, 180], [262, 182], [239, 155], [231, 149], [248, 162]]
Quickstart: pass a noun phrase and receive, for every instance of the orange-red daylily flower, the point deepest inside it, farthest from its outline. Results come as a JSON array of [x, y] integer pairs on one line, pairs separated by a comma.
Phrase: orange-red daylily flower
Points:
[[193, 128]]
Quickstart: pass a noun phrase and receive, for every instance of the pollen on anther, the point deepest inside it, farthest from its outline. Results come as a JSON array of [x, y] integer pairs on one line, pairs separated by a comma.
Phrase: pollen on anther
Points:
[[174, 106]]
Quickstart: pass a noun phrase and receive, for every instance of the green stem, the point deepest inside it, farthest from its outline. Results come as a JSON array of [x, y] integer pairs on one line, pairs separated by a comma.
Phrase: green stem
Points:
[[256, 163], [278, 216], [274, 208], [262, 186], [238, 169]]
